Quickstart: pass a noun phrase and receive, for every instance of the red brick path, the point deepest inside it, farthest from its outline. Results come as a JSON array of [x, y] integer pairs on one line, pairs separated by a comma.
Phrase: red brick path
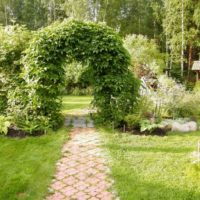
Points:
[[82, 173]]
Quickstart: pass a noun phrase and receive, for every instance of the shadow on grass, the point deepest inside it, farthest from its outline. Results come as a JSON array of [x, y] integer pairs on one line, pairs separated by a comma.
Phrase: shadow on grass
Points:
[[132, 187], [179, 134], [150, 149]]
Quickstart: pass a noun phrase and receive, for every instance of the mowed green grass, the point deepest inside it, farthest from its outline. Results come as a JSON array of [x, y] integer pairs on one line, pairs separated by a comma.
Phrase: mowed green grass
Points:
[[152, 167], [144, 168], [27, 165], [75, 103]]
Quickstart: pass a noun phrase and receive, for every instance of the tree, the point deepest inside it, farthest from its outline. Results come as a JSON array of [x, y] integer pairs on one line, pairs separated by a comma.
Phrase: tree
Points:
[[32, 13], [181, 30], [125, 16], [147, 61]]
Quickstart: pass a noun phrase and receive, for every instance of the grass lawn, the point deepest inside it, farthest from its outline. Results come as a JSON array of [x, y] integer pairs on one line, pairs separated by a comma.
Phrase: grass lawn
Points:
[[152, 167], [144, 168], [27, 165], [73, 104]]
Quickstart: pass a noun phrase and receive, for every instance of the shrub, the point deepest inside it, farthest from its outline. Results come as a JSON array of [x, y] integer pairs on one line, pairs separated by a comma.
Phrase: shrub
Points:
[[4, 125], [13, 42], [142, 111], [197, 87], [189, 106], [147, 125], [3, 98], [28, 125], [3, 102], [35, 71], [171, 99], [166, 97], [146, 59]]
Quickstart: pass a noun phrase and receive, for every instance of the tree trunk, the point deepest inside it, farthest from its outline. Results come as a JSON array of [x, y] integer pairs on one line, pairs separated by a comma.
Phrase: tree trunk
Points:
[[105, 11], [167, 51], [96, 11], [190, 60], [182, 43]]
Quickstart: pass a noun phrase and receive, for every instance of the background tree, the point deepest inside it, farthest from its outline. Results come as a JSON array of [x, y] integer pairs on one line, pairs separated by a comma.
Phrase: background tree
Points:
[[126, 16], [181, 31]]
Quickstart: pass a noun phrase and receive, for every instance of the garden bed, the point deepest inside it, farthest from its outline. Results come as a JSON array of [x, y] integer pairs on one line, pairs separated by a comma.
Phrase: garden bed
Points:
[[157, 131], [15, 132]]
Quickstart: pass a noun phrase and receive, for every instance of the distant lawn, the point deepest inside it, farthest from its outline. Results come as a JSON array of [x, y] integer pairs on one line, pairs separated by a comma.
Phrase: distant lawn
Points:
[[28, 165], [154, 168], [75, 103]]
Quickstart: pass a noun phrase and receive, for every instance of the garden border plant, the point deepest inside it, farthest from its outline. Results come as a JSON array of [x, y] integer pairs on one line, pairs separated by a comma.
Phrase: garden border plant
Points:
[[37, 102]]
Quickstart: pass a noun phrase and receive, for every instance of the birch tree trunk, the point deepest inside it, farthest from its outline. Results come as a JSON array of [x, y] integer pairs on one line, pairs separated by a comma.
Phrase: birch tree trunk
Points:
[[167, 51], [189, 60], [96, 11], [182, 42], [105, 11]]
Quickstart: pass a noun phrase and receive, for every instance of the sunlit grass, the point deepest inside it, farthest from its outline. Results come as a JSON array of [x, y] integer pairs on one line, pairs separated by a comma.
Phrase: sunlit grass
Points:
[[152, 167], [28, 165], [75, 104]]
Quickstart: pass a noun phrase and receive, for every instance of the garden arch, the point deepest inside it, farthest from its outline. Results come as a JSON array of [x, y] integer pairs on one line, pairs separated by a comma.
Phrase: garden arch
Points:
[[115, 88]]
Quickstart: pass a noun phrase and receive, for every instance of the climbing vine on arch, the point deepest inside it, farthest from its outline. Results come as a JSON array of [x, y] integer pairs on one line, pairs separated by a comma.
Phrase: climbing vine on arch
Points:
[[115, 88]]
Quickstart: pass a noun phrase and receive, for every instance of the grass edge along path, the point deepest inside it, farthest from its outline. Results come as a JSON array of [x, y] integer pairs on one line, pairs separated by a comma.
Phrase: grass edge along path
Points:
[[152, 167], [27, 165]]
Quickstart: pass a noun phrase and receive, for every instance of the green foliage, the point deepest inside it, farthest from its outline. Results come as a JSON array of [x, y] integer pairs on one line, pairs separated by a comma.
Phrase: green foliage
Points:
[[78, 79], [143, 118], [40, 79], [32, 13], [31, 126], [80, 91], [197, 87], [13, 41], [147, 125], [176, 100], [188, 106], [146, 59], [3, 92], [171, 99], [3, 104], [4, 125], [124, 15], [142, 112], [181, 30]]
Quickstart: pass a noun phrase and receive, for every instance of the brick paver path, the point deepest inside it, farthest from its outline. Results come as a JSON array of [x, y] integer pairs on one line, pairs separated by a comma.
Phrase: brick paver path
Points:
[[82, 172]]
